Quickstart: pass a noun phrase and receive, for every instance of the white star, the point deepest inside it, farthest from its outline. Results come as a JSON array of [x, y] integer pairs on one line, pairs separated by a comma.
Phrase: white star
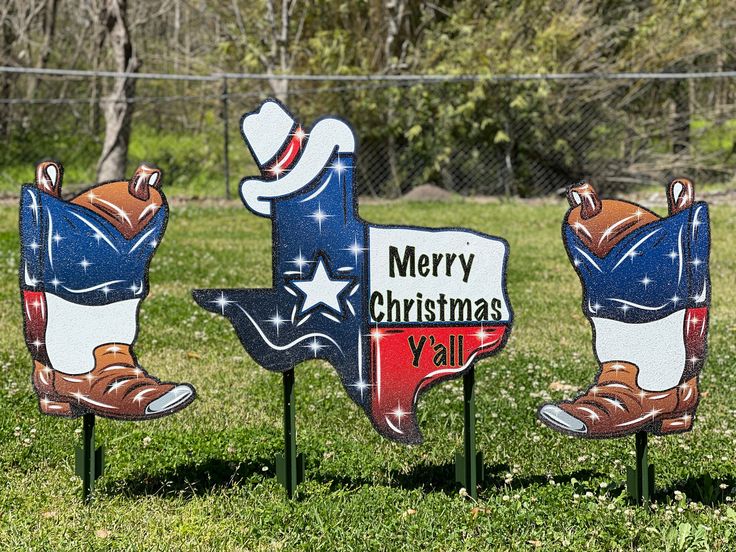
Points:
[[98, 236], [55, 282], [693, 359], [675, 299], [696, 262], [276, 320], [33, 245], [576, 262], [57, 238], [37, 343], [84, 263], [153, 243], [646, 281], [625, 308], [597, 307], [672, 255], [319, 216], [222, 302], [320, 289], [106, 290]]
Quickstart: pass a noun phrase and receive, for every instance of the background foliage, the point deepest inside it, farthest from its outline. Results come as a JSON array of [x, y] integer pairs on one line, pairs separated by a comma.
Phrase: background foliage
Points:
[[473, 137]]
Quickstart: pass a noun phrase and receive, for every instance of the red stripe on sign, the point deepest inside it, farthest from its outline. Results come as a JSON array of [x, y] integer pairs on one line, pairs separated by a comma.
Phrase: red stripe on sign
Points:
[[407, 360]]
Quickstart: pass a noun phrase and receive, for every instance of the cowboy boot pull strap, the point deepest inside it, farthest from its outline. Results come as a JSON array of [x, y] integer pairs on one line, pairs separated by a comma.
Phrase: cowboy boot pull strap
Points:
[[144, 177], [48, 177], [680, 195], [584, 195]]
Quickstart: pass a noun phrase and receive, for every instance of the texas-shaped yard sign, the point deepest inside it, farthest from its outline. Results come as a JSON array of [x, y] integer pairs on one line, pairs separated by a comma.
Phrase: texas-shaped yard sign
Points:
[[395, 309]]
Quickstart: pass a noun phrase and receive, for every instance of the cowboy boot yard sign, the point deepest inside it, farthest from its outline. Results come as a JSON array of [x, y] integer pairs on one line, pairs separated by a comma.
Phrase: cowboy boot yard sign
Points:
[[395, 309], [646, 293], [83, 275]]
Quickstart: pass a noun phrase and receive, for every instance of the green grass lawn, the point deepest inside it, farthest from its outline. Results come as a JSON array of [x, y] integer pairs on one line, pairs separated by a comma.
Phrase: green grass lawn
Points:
[[204, 479]]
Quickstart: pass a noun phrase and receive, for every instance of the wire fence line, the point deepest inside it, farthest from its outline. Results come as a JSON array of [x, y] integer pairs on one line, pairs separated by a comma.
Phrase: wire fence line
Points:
[[522, 134]]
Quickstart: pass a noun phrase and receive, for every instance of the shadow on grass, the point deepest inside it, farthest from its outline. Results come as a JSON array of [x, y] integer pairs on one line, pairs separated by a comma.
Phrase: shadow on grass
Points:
[[700, 488], [441, 478], [194, 478], [205, 477]]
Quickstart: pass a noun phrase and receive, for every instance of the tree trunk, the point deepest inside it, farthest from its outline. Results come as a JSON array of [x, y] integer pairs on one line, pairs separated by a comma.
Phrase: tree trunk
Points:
[[7, 38], [117, 108], [681, 118], [280, 89], [48, 23]]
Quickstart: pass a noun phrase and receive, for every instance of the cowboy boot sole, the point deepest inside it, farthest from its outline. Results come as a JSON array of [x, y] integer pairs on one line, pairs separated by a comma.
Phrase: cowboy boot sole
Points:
[[57, 405]]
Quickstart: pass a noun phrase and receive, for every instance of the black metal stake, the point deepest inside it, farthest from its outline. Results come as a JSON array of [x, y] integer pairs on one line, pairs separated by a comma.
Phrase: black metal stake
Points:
[[226, 136], [640, 478], [89, 460], [289, 465], [469, 465]]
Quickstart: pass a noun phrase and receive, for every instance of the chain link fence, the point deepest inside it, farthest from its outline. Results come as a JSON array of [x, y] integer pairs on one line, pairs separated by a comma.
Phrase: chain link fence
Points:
[[521, 136]]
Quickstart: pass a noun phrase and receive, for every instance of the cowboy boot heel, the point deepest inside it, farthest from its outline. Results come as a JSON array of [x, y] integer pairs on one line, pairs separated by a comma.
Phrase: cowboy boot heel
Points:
[[674, 424], [49, 402], [52, 407]]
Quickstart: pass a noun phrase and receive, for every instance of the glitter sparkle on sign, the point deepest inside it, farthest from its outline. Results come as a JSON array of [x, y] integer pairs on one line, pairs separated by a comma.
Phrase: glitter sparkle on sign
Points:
[[361, 386], [645, 281], [355, 249], [338, 166], [315, 346], [277, 321], [300, 134], [319, 216], [300, 261], [222, 302], [85, 264], [398, 413]]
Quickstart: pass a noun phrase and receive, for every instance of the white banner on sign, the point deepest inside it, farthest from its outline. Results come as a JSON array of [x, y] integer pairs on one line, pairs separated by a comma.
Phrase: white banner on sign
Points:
[[436, 276]]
